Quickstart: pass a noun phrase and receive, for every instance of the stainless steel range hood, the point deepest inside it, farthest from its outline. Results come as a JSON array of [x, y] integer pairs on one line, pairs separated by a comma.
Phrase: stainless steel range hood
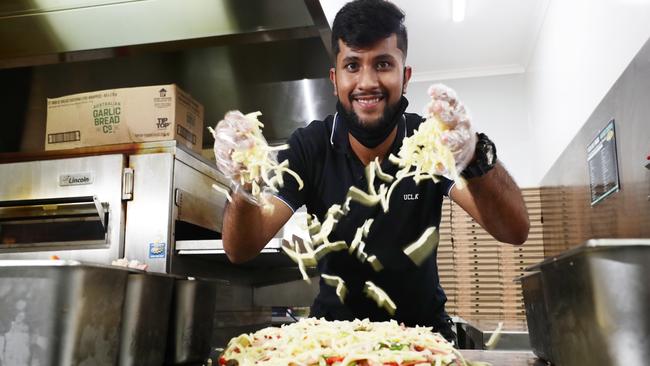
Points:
[[266, 55], [48, 31]]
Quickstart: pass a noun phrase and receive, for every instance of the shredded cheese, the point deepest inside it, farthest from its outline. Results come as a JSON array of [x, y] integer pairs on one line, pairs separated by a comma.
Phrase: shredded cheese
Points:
[[259, 169], [419, 250], [380, 296], [336, 281], [314, 342], [427, 154], [495, 337]]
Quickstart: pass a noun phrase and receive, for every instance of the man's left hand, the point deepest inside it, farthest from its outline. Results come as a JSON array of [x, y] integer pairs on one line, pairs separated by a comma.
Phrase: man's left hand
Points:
[[460, 138]]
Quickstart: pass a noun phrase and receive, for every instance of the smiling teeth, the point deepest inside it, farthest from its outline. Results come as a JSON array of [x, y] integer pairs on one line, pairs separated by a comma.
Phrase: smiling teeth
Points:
[[373, 100]]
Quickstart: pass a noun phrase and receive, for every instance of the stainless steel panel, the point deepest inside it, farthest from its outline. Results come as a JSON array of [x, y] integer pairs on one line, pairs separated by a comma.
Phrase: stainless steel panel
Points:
[[568, 218], [597, 299], [221, 75], [289, 294], [145, 319], [40, 180], [60, 313], [233, 297], [50, 27], [537, 315], [191, 321], [200, 164], [148, 227], [198, 210], [204, 204]]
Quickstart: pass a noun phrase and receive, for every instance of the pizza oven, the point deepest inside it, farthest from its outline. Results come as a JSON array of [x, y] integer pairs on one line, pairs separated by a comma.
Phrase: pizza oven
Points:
[[104, 203]]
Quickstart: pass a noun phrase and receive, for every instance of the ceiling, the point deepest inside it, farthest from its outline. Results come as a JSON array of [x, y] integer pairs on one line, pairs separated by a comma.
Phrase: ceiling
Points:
[[497, 37]]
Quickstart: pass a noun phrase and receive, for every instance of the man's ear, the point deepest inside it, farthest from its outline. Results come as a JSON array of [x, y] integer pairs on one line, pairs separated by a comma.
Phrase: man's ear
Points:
[[333, 79], [407, 76]]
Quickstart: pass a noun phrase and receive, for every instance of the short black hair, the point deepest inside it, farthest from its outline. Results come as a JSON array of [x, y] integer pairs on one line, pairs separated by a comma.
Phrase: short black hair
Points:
[[361, 23]]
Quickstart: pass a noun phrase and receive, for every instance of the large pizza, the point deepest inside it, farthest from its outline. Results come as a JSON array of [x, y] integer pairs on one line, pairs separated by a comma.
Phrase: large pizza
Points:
[[317, 342]]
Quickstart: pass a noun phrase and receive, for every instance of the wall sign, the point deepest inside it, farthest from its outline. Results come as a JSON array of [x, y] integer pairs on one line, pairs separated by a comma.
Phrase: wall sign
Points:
[[603, 164]]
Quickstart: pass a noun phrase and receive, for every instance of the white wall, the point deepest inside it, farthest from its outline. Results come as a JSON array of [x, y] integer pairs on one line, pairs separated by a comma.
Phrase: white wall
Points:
[[498, 108], [583, 47]]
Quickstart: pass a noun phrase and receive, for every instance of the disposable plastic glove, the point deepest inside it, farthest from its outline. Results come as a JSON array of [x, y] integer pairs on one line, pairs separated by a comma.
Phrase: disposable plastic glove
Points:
[[460, 137], [235, 133]]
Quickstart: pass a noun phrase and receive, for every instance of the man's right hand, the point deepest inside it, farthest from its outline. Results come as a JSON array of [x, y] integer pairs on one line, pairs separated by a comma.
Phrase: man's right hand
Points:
[[231, 134]]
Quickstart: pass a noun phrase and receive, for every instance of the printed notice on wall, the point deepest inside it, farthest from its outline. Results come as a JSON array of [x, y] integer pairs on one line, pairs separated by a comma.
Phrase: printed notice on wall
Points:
[[603, 164]]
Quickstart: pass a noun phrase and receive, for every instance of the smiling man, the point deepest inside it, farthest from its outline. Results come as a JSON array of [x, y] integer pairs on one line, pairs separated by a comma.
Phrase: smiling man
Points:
[[370, 78]]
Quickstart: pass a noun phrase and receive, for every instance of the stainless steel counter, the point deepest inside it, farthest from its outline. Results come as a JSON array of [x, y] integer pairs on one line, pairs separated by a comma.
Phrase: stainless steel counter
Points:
[[503, 358]]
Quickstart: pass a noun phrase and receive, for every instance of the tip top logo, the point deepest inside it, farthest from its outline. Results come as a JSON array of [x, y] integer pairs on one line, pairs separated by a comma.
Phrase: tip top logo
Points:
[[163, 122], [163, 92]]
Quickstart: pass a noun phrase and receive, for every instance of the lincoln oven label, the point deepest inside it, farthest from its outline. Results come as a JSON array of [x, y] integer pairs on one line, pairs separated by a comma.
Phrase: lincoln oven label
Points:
[[75, 179]]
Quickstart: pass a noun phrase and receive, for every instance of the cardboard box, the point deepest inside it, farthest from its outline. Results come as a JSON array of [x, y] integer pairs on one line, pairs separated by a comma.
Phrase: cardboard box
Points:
[[141, 114]]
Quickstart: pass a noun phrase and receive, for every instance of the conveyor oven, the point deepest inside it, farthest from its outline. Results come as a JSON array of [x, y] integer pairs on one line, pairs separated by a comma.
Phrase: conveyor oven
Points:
[[103, 203]]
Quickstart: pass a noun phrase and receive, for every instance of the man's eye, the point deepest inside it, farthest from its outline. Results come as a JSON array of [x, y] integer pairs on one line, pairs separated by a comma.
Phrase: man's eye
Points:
[[351, 67], [382, 65]]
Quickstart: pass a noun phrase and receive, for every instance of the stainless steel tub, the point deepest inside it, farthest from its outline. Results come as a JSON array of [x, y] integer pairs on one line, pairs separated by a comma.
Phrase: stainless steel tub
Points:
[[191, 320], [145, 319], [597, 297], [60, 313], [537, 315]]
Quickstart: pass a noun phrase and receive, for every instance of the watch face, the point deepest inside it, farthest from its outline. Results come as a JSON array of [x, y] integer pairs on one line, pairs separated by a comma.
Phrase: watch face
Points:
[[489, 154]]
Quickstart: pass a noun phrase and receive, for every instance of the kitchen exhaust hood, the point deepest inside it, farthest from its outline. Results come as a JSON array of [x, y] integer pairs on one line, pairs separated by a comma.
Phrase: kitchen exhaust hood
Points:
[[271, 56], [51, 31]]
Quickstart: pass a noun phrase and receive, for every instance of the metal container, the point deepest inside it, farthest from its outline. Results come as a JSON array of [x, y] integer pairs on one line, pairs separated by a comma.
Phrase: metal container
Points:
[[60, 313], [536, 315], [597, 297], [191, 320], [145, 319]]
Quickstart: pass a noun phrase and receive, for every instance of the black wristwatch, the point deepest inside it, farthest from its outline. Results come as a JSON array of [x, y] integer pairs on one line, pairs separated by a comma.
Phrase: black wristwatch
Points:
[[485, 158]]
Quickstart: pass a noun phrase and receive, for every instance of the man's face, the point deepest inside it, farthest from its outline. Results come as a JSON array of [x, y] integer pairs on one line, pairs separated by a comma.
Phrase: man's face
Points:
[[370, 81]]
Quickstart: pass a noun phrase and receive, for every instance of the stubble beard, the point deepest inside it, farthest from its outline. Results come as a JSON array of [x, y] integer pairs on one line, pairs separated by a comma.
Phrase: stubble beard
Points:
[[370, 126]]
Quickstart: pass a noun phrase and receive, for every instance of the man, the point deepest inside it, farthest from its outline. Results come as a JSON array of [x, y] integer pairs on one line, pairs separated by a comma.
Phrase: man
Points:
[[370, 77]]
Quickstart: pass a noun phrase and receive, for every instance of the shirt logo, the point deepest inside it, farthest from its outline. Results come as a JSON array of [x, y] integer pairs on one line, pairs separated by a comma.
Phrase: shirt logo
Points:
[[411, 196]]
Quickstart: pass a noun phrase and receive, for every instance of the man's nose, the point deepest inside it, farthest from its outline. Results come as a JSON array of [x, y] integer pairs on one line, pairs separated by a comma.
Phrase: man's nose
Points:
[[368, 78]]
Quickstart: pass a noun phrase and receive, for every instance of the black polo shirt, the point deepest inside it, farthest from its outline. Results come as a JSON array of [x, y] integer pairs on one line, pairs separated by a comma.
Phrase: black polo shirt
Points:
[[321, 155]]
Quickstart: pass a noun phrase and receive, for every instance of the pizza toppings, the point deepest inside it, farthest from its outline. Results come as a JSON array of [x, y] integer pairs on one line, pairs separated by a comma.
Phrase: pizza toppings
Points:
[[315, 342]]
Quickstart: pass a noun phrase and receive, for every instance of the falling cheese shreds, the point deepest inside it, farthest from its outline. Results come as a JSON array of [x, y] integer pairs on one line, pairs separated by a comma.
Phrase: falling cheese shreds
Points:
[[361, 233], [303, 260], [338, 283], [376, 166], [324, 249], [494, 338], [375, 263], [381, 298], [332, 217], [361, 254], [422, 248], [422, 156]]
